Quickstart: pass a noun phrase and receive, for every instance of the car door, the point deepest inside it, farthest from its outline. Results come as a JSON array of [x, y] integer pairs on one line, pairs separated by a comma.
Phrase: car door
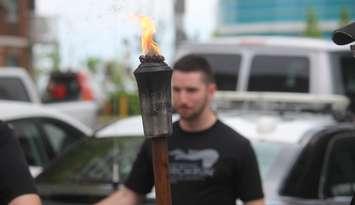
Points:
[[34, 145], [339, 169], [43, 139]]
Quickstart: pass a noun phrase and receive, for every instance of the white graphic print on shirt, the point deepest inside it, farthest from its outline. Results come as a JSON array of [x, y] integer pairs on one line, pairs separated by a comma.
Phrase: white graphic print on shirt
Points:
[[191, 165]]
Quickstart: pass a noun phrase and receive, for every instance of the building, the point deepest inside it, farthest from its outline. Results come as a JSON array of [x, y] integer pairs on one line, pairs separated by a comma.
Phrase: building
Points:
[[280, 17], [15, 44]]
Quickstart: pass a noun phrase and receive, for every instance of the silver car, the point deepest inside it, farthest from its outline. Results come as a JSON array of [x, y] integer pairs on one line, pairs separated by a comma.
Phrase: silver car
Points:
[[311, 164], [43, 133]]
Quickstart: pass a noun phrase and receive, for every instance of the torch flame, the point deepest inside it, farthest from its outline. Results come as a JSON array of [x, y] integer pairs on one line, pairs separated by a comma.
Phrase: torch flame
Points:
[[149, 46]]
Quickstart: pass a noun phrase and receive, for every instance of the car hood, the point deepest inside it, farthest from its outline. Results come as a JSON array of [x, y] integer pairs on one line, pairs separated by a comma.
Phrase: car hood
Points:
[[287, 127]]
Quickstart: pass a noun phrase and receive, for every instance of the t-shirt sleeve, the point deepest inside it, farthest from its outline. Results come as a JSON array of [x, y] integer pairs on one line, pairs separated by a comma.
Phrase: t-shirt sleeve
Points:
[[249, 180], [15, 177], [141, 177]]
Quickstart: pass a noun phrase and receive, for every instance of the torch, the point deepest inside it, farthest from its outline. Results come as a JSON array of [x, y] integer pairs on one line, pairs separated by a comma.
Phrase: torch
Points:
[[153, 77]]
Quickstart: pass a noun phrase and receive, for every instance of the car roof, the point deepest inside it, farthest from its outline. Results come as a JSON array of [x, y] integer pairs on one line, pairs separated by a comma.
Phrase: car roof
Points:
[[269, 41], [254, 126], [15, 110]]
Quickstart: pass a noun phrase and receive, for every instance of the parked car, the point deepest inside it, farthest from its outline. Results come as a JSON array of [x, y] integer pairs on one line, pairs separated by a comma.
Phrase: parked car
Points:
[[295, 150], [68, 86], [17, 85], [44, 134], [278, 64]]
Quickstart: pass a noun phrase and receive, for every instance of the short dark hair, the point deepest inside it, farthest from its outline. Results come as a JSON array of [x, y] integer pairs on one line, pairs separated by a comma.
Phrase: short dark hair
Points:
[[195, 63]]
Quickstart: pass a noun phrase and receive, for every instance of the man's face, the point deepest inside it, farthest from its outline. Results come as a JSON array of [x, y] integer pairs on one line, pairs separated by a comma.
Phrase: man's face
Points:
[[191, 95]]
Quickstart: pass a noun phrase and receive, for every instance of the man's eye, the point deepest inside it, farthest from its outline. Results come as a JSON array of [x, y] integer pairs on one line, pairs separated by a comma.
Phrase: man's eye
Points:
[[191, 90]]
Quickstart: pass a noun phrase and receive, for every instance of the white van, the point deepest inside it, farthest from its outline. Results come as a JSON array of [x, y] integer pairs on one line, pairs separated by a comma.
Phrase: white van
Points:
[[279, 64]]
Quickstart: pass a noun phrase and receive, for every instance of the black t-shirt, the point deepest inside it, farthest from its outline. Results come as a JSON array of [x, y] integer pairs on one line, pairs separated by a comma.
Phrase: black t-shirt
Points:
[[214, 166], [15, 178]]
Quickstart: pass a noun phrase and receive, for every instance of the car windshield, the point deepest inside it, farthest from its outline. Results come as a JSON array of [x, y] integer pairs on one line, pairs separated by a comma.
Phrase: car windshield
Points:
[[93, 161]]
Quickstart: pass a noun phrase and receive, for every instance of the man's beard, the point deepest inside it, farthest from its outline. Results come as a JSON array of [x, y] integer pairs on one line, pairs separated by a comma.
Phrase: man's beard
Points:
[[196, 113]]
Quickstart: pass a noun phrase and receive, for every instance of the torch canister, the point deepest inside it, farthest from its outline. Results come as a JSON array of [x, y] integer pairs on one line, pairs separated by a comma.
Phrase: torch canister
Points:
[[154, 86]]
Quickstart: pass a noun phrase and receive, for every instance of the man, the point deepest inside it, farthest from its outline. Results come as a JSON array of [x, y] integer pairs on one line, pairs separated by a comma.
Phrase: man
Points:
[[209, 163], [16, 183], [343, 36]]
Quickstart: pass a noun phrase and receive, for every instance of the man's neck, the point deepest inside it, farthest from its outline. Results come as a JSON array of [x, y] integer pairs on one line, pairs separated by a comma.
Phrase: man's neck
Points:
[[201, 122]]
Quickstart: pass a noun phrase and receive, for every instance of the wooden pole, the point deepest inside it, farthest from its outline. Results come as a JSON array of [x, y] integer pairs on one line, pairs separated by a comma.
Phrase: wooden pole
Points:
[[161, 170]]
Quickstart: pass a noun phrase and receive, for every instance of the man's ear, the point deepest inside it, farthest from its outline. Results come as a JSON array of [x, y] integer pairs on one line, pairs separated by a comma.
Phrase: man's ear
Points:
[[212, 88]]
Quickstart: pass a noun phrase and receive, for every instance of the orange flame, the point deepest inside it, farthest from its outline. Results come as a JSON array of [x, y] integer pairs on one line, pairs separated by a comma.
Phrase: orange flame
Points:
[[149, 46]]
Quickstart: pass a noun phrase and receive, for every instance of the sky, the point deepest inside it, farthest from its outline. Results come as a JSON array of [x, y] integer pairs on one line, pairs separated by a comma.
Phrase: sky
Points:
[[92, 28]]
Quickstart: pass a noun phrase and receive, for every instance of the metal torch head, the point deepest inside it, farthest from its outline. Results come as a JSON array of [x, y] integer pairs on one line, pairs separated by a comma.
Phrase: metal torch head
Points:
[[154, 87]]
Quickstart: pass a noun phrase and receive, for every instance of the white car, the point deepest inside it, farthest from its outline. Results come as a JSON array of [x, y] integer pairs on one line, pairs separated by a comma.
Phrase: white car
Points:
[[278, 64], [43, 133], [280, 137]]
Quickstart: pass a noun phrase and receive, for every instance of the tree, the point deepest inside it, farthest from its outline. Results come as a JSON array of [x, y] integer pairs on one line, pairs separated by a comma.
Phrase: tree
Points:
[[344, 17], [312, 27], [55, 58], [92, 64]]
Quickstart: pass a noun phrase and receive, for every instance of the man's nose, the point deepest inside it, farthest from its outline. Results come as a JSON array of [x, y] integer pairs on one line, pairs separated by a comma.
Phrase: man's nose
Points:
[[183, 98]]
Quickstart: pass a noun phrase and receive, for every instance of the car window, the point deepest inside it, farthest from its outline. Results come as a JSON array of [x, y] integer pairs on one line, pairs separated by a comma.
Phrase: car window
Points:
[[279, 74], [13, 89], [59, 134], [226, 68], [36, 150], [62, 87], [303, 178], [340, 169], [93, 160], [343, 65]]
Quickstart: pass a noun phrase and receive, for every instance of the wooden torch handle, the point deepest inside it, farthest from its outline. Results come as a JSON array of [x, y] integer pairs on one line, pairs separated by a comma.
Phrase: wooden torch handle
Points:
[[161, 170]]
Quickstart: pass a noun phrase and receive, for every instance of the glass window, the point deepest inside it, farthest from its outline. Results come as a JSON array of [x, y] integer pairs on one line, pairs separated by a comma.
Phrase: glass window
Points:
[[303, 178], [59, 134], [93, 160], [340, 171], [345, 64], [226, 68], [32, 142], [10, 8], [63, 87], [279, 74], [13, 89]]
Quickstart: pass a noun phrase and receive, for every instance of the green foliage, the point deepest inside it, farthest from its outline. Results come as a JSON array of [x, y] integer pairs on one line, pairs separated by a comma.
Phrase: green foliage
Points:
[[92, 63], [55, 58], [312, 27], [115, 72], [344, 17], [133, 102]]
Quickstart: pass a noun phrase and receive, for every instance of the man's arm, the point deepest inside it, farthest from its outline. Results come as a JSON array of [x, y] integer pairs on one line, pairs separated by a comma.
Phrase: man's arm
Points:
[[124, 196], [26, 199], [255, 202]]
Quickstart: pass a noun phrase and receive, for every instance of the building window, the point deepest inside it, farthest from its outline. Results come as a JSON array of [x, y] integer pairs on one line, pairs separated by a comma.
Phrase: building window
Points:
[[10, 7]]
